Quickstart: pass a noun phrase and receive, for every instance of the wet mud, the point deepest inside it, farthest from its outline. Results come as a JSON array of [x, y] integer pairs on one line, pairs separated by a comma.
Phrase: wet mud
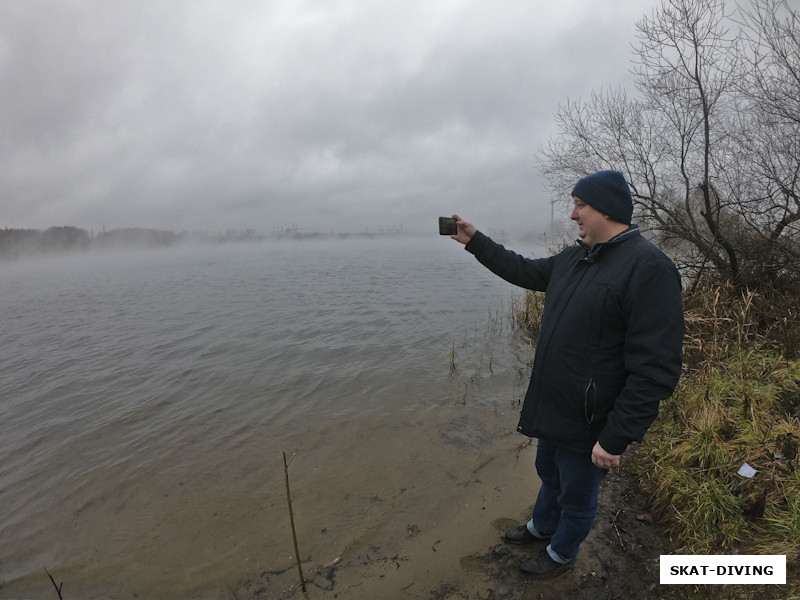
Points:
[[619, 560]]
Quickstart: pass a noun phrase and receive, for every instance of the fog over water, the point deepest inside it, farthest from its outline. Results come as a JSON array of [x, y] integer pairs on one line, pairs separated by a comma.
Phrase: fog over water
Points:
[[147, 397]]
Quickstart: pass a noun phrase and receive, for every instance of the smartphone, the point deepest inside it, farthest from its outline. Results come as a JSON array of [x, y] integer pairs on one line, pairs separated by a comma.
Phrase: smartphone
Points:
[[447, 226]]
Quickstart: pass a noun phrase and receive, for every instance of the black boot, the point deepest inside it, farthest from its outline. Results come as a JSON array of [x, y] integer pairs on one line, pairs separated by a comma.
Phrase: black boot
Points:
[[520, 535], [544, 566]]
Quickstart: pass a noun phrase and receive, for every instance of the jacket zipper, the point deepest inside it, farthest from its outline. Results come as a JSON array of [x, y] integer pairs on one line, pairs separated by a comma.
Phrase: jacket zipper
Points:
[[591, 389]]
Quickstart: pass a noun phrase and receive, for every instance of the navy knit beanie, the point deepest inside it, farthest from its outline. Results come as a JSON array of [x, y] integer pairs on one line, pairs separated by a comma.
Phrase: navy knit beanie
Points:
[[608, 193]]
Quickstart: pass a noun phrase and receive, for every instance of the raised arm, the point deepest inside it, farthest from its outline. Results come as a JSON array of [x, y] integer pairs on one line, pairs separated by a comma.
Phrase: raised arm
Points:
[[532, 274]]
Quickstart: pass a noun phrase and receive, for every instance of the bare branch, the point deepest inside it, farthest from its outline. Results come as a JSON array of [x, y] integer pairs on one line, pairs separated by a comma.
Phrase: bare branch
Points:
[[710, 141]]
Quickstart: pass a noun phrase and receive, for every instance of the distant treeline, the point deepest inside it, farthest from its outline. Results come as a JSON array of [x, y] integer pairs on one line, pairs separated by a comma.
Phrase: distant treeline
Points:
[[15, 243]]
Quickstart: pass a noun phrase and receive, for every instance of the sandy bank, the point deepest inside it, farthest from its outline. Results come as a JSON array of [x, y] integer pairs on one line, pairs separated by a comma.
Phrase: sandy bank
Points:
[[450, 546]]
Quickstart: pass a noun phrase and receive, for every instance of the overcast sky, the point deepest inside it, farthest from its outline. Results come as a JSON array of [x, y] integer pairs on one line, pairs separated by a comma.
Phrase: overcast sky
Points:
[[329, 115]]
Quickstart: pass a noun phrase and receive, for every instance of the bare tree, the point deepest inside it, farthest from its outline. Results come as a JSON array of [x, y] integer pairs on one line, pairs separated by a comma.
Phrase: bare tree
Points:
[[769, 90], [709, 143]]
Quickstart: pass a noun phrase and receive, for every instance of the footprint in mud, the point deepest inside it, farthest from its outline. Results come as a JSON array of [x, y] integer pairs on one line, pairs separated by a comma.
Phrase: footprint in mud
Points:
[[476, 562], [504, 524], [499, 559]]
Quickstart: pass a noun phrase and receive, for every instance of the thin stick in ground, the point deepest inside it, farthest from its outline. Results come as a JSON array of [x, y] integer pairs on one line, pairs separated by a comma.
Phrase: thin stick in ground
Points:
[[58, 587], [291, 519]]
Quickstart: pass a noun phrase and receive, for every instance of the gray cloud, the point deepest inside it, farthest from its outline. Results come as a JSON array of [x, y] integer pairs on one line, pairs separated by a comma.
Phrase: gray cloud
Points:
[[203, 115]]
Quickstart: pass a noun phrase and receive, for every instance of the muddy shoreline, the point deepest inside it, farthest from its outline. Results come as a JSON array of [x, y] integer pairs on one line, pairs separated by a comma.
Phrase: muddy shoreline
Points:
[[456, 550]]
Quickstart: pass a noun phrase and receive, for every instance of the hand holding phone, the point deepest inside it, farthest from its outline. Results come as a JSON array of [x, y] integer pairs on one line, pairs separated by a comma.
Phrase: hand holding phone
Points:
[[457, 228]]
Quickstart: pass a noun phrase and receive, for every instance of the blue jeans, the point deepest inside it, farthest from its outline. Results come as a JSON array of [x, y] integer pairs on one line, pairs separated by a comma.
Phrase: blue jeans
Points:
[[567, 501]]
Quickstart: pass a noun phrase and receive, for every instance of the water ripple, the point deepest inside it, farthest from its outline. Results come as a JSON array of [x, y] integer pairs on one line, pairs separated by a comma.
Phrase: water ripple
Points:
[[140, 393]]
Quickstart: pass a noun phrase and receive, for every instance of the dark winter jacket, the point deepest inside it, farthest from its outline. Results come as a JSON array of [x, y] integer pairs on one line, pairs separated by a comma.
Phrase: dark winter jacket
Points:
[[610, 343]]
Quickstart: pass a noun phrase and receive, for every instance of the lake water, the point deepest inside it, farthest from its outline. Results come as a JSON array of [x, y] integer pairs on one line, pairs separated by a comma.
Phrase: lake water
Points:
[[147, 398]]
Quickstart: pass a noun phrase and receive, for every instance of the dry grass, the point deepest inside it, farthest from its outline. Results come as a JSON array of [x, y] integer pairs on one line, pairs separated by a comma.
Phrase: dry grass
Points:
[[738, 402], [720, 318], [526, 312], [719, 418]]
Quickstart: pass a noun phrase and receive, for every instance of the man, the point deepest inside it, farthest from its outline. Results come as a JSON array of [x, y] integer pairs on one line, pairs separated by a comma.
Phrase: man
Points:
[[609, 351]]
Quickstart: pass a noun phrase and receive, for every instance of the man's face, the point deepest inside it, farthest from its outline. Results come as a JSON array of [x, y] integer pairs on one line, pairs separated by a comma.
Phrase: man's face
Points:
[[591, 223]]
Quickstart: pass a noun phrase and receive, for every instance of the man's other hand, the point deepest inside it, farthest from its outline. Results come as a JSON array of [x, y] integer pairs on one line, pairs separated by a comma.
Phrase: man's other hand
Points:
[[603, 459]]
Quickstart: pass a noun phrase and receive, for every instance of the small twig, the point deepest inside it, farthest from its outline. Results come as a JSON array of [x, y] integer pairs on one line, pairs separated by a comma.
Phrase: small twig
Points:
[[58, 587], [527, 443], [614, 523], [291, 519]]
